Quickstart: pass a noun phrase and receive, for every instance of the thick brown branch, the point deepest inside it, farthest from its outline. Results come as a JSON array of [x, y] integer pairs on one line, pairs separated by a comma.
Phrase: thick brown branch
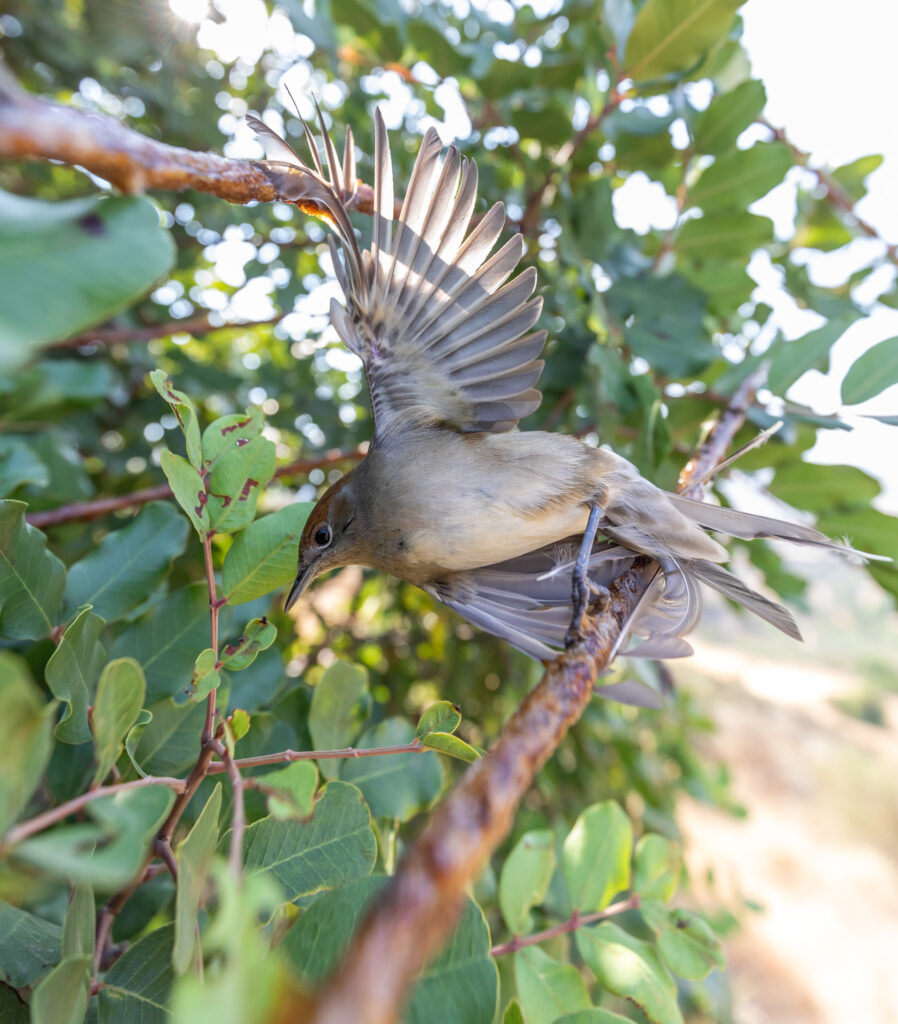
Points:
[[418, 909], [81, 511], [36, 129]]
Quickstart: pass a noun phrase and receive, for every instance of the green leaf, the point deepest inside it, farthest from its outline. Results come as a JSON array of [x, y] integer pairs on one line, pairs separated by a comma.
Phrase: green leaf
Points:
[[593, 1016], [394, 785], [72, 674], [194, 856], [548, 988], [334, 847], [119, 699], [462, 985], [630, 968], [853, 176], [459, 987], [136, 988], [31, 578], [741, 176], [258, 635], [129, 563], [80, 922], [452, 746], [133, 738], [718, 126], [513, 1013], [188, 488], [185, 411], [165, 640], [657, 869], [439, 717], [596, 856], [663, 321], [227, 432], [205, 677], [239, 724], [824, 489], [13, 1010], [29, 945], [101, 253], [790, 359], [19, 464], [685, 940], [169, 743], [61, 996], [107, 854], [340, 704], [294, 790], [28, 737], [235, 483], [619, 16], [263, 556], [735, 234], [672, 35], [871, 373], [525, 877]]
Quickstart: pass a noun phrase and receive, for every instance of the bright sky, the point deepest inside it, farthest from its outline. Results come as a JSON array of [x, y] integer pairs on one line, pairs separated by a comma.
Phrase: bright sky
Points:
[[830, 77]]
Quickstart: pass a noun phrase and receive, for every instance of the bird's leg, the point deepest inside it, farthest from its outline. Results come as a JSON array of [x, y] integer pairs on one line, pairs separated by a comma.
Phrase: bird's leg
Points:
[[582, 586]]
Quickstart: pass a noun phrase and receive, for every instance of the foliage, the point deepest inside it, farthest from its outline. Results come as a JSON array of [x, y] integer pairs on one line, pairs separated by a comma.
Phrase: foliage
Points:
[[121, 634]]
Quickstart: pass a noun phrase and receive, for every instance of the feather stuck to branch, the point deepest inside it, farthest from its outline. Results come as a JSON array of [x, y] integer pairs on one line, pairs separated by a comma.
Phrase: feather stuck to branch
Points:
[[418, 910]]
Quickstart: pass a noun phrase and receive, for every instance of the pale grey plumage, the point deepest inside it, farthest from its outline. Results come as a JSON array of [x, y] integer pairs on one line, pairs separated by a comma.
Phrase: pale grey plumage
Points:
[[450, 496]]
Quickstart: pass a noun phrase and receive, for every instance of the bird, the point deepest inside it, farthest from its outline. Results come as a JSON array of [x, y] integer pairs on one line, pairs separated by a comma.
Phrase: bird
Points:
[[518, 531]]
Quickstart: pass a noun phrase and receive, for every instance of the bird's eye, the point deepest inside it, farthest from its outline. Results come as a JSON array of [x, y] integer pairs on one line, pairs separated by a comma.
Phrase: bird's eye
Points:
[[323, 535]]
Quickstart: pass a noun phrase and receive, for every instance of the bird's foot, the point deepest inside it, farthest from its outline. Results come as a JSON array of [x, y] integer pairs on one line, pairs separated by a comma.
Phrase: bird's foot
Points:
[[585, 596]]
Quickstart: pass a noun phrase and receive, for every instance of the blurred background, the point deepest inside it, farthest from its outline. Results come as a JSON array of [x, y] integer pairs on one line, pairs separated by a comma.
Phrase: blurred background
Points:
[[693, 214]]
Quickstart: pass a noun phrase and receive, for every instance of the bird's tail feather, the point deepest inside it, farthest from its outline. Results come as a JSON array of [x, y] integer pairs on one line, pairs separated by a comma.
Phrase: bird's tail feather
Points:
[[723, 581]]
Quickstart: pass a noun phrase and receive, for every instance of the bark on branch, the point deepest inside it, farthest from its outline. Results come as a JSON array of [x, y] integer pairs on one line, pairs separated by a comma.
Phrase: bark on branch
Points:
[[32, 128]]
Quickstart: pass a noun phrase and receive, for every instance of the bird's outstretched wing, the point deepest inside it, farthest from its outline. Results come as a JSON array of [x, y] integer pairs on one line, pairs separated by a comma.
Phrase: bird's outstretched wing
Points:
[[528, 604], [445, 336]]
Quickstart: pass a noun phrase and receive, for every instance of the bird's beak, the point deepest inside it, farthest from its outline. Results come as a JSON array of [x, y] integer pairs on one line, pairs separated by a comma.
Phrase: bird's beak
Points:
[[303, 579]]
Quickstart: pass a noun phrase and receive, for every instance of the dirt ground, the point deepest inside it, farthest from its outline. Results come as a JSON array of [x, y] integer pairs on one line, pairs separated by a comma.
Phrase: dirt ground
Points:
[[812, 870]]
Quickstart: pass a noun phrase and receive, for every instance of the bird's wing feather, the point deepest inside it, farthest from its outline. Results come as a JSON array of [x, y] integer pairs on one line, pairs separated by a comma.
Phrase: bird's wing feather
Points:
[[444, 332]]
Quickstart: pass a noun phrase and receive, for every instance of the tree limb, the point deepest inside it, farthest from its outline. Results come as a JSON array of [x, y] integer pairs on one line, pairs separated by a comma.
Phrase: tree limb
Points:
[[82, 511]]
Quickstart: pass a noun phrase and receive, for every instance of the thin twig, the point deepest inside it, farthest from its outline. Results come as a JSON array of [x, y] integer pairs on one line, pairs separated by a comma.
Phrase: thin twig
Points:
[[56, 814], [196, 325], [238, 814], [81, 511], [574, 922], [287, 756], [719, 438], [214, 607], [836, 193]]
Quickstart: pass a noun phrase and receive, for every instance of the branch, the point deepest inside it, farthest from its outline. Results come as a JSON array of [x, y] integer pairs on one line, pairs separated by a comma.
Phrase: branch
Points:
[[574, 922], [713, 449], [36, 129], [288, 756], [836, 193], [238, 815], [417, 911], [85, 510], [56, 814], [196, 325]]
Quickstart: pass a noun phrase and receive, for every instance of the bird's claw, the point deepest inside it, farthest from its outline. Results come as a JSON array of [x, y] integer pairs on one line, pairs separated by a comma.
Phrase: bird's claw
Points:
[[585, 596]]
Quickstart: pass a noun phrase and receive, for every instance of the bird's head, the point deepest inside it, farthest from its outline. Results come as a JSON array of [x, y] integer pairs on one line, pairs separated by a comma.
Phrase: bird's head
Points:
[[330, 537]]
